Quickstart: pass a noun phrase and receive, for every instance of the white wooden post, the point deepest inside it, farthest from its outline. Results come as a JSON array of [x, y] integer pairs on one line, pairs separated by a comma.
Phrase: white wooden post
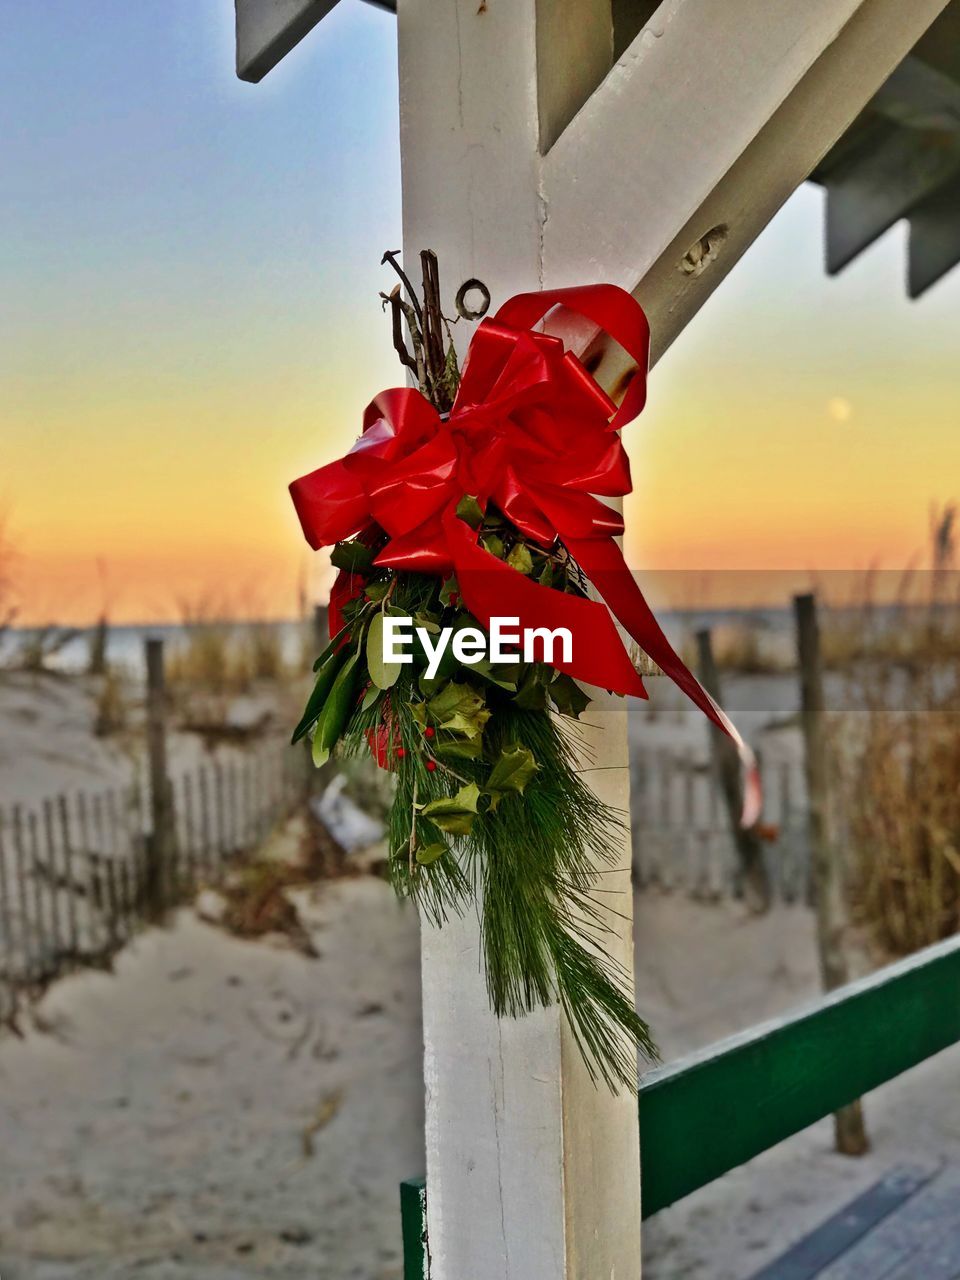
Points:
[[709, 120], [533, 1173]]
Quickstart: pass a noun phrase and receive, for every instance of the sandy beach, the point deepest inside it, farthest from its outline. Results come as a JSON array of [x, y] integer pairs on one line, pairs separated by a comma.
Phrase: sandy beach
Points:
[[220, 1109]]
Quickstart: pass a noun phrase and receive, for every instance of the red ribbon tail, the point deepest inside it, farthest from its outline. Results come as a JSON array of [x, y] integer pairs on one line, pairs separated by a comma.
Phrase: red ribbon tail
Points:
[[603, 563], [492, 589]]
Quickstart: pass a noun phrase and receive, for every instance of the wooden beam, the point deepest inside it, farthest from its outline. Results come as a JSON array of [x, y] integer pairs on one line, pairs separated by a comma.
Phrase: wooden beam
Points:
[[704, 127], [574, 54], [535, 1171], [267, 30], [920, 96]]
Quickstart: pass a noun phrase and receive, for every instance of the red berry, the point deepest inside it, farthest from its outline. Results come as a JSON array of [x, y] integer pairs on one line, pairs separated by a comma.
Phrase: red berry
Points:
[[400, 753], [431, 765], [428, 732]]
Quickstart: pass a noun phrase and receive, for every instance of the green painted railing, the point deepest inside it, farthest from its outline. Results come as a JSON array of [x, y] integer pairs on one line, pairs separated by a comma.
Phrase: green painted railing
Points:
[[716, 1109]]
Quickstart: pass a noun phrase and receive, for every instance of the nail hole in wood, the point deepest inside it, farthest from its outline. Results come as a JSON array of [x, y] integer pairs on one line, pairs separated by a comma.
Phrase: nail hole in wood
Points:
[[704, 251]]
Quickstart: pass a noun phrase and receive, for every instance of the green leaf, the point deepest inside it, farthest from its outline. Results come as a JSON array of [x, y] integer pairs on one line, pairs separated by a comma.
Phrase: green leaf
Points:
[[454, 814], [499, 675], [335, 646], [532, 694], [429, 621], [353, 556], [569, 698], [430, 853], [419, 712], [331, 661], [520, 558], [450, 588], [371, 698], [383, 674], [460, 709], [318, 752], [515, 768], [546, 574], [337, 708], [470, 511], [450, 379], [493, 543], [459, 749], [375, 591]]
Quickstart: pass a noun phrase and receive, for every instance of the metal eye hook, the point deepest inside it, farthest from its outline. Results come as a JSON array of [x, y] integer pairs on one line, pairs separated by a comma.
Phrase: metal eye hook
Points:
[[469, 313]]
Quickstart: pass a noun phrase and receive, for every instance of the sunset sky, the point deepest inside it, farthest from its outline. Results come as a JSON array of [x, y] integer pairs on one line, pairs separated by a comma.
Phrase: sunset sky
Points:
[[189, 319]]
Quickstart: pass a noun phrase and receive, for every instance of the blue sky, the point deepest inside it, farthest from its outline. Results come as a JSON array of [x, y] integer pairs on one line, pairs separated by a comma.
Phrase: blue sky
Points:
[[189, 318]]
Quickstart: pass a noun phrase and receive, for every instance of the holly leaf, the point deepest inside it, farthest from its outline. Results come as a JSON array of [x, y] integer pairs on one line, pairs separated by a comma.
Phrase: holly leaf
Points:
[[513, 771], [383, 674], [430, 853], [459, 749], [470, 511], [375, 591], [493, 543], [546, 574], [501, 674], [449, 589], [520, 558], [428, 621], [569, 698], [419, 712], [532, 694], [454, 814], [459, 709], [353, 556]]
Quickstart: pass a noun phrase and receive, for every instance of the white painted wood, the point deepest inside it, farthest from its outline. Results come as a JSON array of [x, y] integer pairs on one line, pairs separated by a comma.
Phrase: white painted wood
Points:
[[533, 1173], [706, 124], [268, 29]]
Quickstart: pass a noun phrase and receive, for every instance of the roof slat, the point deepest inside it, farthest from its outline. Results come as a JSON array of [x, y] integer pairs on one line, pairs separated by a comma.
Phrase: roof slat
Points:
[[934, 245], [882, 184]]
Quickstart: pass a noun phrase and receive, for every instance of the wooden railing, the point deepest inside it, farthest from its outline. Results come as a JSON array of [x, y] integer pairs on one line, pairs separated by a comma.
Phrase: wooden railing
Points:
[[713, 1110]]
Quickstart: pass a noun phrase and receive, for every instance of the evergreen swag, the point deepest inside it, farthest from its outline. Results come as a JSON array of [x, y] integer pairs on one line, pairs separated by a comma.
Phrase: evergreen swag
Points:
[[489, 806]]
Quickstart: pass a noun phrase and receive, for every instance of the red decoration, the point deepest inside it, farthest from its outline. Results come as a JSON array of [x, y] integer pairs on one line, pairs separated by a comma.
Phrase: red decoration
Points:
[[532, 432]]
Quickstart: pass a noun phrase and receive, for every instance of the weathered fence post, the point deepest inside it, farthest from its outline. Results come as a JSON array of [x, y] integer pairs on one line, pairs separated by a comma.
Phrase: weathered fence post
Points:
[[160, 842], [756, 881], [827, 856], [8, 972]]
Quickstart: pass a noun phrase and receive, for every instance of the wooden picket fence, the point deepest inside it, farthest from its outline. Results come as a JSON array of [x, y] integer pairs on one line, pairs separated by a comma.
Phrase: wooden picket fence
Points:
[[682, 838], [79, 873]]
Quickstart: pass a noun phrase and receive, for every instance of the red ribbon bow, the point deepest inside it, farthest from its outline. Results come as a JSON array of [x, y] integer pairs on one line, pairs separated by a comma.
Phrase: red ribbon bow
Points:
[[532, 432]]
